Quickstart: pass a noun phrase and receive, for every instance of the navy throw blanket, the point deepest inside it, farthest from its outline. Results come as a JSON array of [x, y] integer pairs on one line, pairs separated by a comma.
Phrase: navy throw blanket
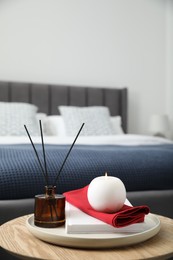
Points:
[[139, 167]]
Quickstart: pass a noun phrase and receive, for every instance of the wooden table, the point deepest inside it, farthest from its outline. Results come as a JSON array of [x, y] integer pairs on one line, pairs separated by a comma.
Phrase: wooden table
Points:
[[16, 239]]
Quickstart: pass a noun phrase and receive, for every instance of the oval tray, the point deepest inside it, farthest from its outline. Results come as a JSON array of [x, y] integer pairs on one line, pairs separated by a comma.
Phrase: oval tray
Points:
[[59, 236]]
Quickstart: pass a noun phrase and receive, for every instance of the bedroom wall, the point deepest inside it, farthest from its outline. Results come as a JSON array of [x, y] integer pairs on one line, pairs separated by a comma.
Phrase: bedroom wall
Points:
[[169, 63], [94, 43]]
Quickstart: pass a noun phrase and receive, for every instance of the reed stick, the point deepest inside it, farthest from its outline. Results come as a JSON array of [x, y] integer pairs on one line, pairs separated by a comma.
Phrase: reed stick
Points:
[[68, 154], [36, 154], [44, 172], [44, 154]]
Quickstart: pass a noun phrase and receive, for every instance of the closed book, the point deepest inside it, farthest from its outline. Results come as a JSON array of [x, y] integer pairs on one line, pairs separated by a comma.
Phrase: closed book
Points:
[[78, 222]]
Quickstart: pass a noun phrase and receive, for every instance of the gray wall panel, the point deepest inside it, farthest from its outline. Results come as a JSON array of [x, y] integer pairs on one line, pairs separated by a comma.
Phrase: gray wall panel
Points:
[[4, 91], [40, 97], [59, 96], [19, 92], [49, 97], [77, 96], [95, 97]]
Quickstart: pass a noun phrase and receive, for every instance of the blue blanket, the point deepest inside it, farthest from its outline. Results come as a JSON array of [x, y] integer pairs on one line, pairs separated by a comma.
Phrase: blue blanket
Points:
[[139, 167]]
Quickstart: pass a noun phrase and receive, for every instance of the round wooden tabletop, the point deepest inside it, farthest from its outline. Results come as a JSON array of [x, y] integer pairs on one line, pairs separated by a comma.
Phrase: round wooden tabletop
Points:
[[17, 240]]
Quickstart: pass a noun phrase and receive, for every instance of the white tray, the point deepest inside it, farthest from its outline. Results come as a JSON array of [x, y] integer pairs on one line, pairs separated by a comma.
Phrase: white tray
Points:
[[59, 236]]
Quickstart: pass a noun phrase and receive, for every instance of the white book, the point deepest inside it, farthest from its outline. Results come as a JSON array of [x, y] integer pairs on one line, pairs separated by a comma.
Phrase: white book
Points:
[[78, 222]]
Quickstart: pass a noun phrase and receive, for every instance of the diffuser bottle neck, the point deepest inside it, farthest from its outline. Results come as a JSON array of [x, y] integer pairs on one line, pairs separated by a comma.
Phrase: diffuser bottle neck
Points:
[[50, 191]]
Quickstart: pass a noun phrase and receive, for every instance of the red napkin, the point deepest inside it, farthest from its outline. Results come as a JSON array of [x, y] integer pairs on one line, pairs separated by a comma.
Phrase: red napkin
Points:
[[127, 215]]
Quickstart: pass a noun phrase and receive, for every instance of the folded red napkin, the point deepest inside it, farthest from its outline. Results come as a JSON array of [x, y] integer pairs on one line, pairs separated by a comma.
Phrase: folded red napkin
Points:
[[126, 216]]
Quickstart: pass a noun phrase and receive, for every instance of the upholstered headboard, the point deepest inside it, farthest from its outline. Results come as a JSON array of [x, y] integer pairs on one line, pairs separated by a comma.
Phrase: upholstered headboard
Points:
[[47, 97]]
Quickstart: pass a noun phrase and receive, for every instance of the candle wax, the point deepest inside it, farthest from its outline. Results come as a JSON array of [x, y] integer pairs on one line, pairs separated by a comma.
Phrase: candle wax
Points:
[[106, 194]]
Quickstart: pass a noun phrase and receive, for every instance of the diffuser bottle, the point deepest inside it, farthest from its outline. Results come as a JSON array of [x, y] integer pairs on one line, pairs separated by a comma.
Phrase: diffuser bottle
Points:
[[49, 211]]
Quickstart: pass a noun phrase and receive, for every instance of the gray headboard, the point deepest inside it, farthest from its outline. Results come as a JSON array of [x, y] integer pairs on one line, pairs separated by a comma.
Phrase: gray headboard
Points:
[[47, 97]]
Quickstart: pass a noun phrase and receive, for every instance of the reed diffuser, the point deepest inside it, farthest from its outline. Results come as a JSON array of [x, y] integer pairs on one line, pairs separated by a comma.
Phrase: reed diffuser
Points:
[[49, 208]]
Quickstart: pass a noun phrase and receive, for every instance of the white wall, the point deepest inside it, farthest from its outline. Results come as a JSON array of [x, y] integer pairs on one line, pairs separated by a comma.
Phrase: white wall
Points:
[[94, 42], [169, 61]]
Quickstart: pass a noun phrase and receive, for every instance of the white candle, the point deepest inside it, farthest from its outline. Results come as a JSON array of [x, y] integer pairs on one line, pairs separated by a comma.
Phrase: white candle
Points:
[[106, 194]]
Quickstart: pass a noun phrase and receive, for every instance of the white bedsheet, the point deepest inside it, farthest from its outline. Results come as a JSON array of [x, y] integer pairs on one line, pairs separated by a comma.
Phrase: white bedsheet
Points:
[[126, 139]]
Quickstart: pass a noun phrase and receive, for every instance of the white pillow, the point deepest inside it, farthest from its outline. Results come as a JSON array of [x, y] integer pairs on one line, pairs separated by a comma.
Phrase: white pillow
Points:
[[54, 125], [96, 118], [43, 118], [13, 117], [117, 125]]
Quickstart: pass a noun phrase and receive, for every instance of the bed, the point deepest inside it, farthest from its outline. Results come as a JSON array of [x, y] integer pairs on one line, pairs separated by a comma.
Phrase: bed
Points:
[[144, 163]]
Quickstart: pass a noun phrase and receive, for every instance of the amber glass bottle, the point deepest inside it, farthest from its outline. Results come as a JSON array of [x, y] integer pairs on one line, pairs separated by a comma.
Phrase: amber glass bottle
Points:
[[49, 211]]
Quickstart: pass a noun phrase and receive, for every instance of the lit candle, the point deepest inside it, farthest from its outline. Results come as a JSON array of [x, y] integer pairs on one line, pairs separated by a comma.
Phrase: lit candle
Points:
[[106, 194]]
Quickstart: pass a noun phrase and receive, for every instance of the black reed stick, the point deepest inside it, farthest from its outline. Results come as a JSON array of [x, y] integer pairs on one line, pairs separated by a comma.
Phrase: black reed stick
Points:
[[36, 154], [45, 174], [44, 154], [68, 154]]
